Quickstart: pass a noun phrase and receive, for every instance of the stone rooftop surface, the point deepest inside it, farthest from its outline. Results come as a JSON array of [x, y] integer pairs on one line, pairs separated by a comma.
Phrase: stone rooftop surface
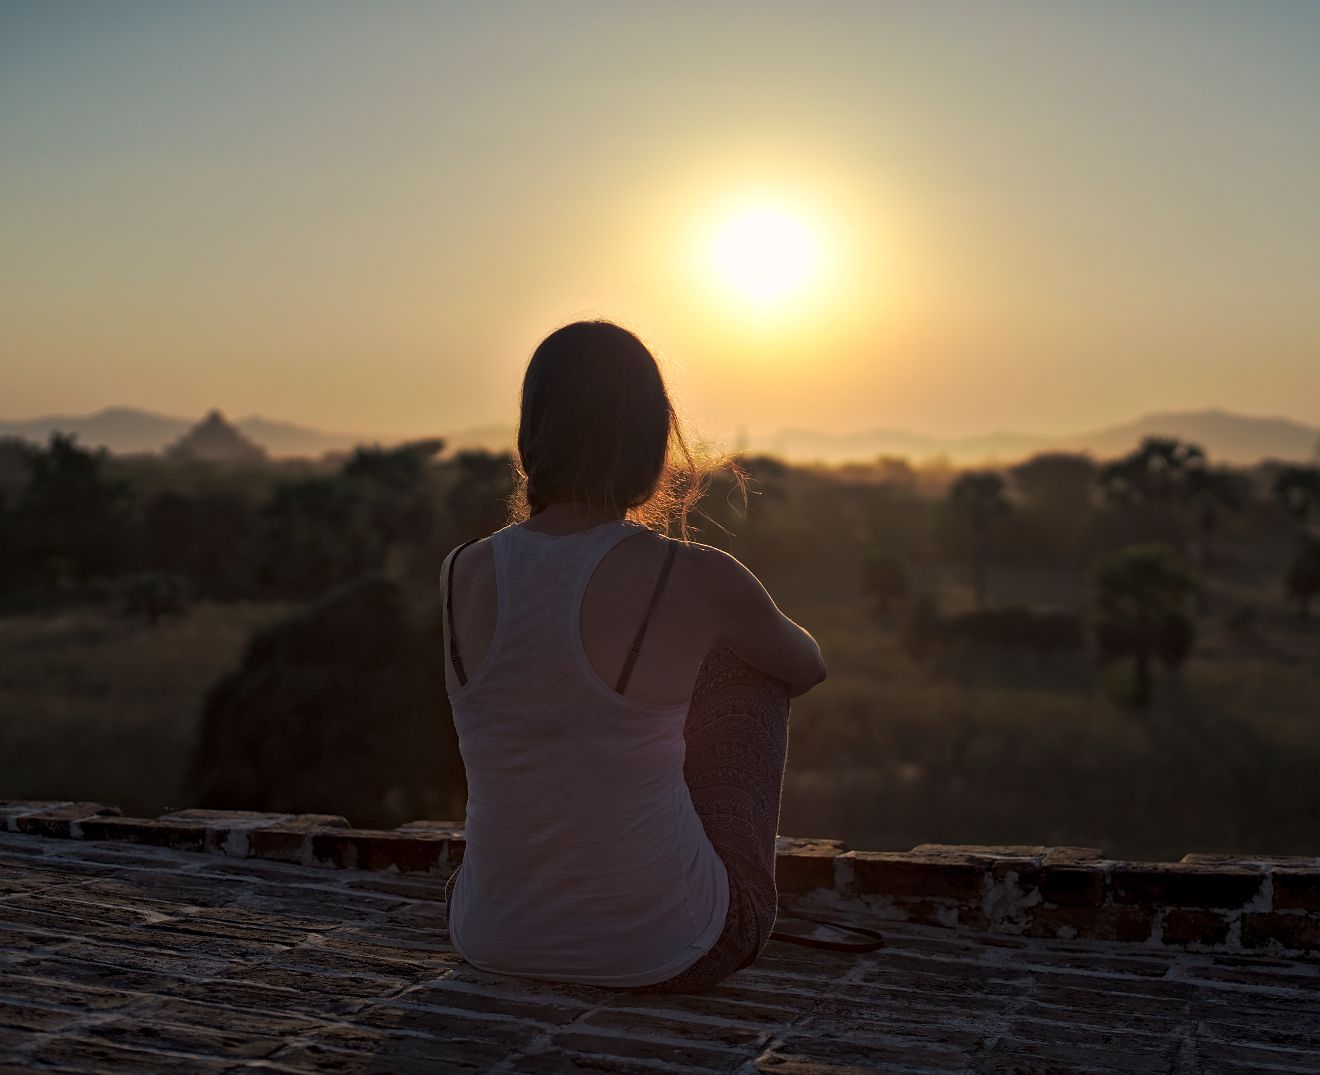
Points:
[[123, 956]]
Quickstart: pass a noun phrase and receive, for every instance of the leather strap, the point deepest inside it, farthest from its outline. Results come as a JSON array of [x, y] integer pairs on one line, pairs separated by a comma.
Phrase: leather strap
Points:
[[449, 611], [874, 939], [641, 630]]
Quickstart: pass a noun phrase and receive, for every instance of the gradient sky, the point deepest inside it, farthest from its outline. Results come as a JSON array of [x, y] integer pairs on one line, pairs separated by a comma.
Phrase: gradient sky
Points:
[[363, 217]]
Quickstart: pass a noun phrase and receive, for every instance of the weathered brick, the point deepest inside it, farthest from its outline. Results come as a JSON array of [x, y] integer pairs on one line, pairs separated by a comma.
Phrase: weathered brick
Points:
[[427, 890], [181, 963], [673, 1026], [1292, 932], [303, 1055], [901, 874], [689, 1056], [228, 831], [232, 1041], [1063, 855], [1184, 926], [973, 918], [1251, 861], [1296, 889], [927, 912], [445, 828], [804, 865], [1071, 885], [180, 835], [85, 1054], [981, 852], [56, 820], [290, 841], [280, 843], [308, 822], [1178, 884], [1023, 872], [1113, 923], [223, 817], [371, 849], [12, 808]]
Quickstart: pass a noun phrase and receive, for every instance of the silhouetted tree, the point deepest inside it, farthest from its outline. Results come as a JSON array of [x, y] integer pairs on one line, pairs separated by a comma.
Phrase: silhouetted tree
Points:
[[1209, 492], [396, 486], [153, 594], [316, 533], [884, 582], [1303, 581], [1297, 489], [401, 468], [1054, 491], [1138, 610], [1153, 474], [340, 708], [1168, 473], [478, 498], [1055, 482], [71, 521], [978, 498], [210, 539]]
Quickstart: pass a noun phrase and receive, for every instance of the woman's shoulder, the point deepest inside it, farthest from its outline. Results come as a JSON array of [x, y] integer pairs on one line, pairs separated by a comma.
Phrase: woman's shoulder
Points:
[[466, 561], [719, 571]]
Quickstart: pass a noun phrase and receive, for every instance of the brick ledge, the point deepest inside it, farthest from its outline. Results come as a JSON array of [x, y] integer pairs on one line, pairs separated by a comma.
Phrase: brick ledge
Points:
[[1218, 903]]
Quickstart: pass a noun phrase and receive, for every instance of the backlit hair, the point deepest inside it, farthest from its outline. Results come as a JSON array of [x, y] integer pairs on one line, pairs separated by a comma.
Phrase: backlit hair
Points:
[[596, 426]]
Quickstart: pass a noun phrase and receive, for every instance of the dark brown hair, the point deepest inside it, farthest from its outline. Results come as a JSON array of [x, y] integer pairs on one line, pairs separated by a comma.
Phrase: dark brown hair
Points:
[[597, 426]]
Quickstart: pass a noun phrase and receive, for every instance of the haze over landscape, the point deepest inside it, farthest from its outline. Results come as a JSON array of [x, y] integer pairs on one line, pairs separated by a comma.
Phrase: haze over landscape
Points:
[[942, 218], [1228, 437]]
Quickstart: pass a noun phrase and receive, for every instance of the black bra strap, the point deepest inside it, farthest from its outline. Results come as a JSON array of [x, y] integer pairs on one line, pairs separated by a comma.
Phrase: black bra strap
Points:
[[449, 611], [641, 631]]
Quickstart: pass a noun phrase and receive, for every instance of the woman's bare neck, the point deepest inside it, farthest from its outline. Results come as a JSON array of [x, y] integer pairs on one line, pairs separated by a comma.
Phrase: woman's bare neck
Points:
[[566, 518]]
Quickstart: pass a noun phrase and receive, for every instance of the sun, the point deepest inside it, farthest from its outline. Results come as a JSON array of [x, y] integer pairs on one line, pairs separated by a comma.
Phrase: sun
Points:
[[764, 254]]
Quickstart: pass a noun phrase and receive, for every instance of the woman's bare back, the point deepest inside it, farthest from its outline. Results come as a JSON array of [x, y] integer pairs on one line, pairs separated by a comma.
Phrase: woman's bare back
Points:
[[681, 631]]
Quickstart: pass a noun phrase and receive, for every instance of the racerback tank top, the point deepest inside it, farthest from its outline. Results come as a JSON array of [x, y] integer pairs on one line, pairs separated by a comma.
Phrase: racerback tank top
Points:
[[585, 860]]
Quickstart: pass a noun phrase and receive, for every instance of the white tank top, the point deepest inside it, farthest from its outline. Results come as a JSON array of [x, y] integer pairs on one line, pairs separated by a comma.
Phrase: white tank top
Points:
[[586, 860]]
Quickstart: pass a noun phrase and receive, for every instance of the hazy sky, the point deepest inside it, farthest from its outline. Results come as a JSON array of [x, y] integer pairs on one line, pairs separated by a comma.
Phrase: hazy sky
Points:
[[364, 216]]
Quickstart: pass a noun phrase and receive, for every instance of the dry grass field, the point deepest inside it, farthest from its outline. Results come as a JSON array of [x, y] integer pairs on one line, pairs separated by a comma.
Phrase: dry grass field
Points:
[[95, 706]]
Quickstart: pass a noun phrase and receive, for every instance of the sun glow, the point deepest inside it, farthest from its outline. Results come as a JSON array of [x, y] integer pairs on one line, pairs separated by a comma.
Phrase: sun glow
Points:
[[765, 254]]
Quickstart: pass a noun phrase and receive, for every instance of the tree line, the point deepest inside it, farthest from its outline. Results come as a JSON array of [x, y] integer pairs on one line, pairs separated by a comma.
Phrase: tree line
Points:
[[1160, 509], [1146, 530]]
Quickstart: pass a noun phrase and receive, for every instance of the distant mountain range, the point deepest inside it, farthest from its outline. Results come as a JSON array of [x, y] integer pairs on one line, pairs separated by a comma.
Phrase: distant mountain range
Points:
[[1226, 436], [125, 430]]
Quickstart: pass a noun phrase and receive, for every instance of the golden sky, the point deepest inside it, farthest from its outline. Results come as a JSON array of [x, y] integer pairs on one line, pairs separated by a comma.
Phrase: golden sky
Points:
[[951, 217]]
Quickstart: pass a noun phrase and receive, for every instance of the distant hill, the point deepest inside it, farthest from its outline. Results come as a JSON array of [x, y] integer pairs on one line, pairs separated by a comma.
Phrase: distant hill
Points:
[[285, 438], [1225, 435], [1236, 438], [214, 440], [121, 429], [125, 430]]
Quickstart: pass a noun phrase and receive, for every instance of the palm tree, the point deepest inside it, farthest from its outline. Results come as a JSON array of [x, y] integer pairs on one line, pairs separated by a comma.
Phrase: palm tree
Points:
[[1303, 579], [1297, 488], [978, 497], [1153, 474], [1209, 491], [1138, 610], [1175, 474]]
